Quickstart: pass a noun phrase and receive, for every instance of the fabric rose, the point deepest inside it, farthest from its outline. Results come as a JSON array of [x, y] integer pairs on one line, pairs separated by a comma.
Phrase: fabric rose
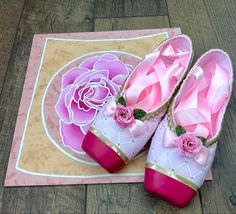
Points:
[[189, 144], [84, 91], [123, 116]]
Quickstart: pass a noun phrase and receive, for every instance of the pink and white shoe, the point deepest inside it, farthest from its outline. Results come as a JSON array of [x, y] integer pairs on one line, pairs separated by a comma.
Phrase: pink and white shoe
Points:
[[126, 123], [183, 147]]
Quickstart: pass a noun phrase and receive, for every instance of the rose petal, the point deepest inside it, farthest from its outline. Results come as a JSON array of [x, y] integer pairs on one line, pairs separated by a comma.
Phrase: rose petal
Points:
[[69, 77], [83, 106], [76, 95], [72, 136], [69, 95], [109, 84], [80, 116], [89, 62], [83, 76], [92, 76], [61, 108], [130, 68], [85, 128], [108, 57], [102, 93], [115, 68], [119, 79]]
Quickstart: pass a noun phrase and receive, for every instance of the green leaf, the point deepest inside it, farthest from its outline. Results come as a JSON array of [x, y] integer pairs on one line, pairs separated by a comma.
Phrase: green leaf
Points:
[[121, 100], [179, 130], [139, 113], [203, 139]]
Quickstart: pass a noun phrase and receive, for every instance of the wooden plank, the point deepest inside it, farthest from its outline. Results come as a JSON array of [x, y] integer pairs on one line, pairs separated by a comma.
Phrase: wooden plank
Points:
[[220, 195], [112, 8], [9, 20], [52, 199], [146, 8], [209, 24], [47, 16], [8, 26], [130, 198], [118, 8], [192, 17], [6, 132], [106, 24]]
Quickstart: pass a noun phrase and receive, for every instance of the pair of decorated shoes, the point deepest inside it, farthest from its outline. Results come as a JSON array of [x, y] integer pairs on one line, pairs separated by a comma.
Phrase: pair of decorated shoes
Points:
[[185, 109]]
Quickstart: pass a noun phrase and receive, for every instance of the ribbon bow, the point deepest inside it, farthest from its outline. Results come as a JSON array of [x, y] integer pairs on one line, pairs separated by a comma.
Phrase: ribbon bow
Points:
[[136, 128], [184, 142]]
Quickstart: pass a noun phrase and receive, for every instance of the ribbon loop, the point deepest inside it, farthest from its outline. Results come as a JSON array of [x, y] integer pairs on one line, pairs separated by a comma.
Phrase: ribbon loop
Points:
[[203, 96], [137, 128], [109, 108], [202, 156]]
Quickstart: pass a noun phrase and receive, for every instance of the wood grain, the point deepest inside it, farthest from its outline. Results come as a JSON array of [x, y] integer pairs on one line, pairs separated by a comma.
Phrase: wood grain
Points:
[[6, 133], [51, 199], [112, 8], [126, 8], [209, 24], [193, 19], [130, 198], [9, 20], [106, 24], [38, 17], [220, 195]]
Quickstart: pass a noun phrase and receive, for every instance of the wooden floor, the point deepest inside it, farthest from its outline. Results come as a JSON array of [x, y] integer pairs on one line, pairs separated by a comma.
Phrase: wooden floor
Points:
[[210, 24]]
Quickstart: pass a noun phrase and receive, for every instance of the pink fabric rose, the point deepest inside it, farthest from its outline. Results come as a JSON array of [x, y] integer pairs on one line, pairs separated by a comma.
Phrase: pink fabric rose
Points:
[[84, 91], [189, 144], [123, 115]]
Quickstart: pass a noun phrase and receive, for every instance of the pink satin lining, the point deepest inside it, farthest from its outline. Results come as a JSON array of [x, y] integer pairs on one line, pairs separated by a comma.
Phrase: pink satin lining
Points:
[[201, 102], [153, 80]]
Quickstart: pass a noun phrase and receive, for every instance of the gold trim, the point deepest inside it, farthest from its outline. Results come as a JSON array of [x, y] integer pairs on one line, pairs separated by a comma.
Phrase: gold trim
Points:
[[173, 175], [110, 144]]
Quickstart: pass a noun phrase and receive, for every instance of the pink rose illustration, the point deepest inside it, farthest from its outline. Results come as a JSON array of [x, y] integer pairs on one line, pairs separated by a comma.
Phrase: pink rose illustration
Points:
[[123, 115], [84, 90], [189, 144]]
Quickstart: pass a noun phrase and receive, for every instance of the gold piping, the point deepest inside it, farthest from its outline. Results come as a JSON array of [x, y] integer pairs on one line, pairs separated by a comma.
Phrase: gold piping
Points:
[[173, 175], [110, 144]]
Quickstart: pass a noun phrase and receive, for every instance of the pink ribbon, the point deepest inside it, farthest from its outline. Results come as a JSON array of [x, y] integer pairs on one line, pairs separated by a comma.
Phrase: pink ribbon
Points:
[[153, 80], [169, 139], [136, 128], [203, 96]]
